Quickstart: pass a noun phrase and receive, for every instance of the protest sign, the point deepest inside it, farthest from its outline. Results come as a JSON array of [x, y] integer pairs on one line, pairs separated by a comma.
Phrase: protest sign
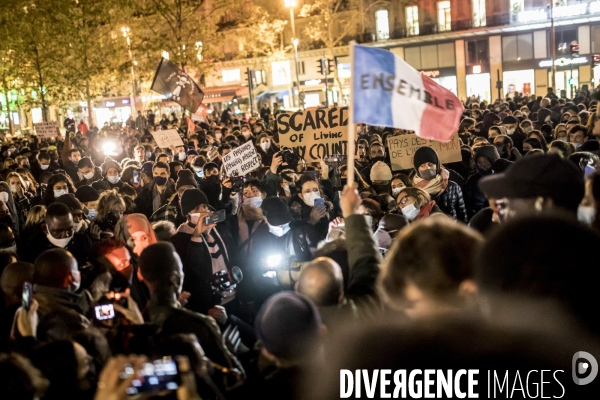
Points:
[[402, 149], [47, 129], [167, 138], [241, 160], [315, 133]]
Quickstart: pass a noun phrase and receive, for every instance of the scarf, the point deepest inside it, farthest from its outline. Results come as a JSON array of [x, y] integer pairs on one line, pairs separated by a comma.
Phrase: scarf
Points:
[[434, 187], [248, 213], [426, 210]]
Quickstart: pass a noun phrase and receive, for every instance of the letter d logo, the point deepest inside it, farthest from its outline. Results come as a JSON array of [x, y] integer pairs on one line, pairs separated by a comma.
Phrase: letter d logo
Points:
[[582, 367]]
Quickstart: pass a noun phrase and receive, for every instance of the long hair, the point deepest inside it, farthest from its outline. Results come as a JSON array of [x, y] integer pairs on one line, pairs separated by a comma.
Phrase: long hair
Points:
[[56, 178], [107, 201]]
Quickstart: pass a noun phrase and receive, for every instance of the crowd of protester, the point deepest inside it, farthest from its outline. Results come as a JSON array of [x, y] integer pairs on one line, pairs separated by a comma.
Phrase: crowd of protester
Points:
[[303, 274]]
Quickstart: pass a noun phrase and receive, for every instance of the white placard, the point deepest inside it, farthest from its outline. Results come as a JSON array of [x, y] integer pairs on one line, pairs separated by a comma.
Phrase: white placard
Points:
[[241, 160], [47, 129], [197, 118], [167, 138]]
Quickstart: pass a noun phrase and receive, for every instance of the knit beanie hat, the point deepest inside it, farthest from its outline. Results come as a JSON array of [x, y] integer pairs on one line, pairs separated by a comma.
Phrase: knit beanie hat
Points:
[[184, 178], [147, 168], [109, 163], [381, 172], [287, 325], [426, 154], [191, 199], [87, 193], [276, 210], [70, 201]]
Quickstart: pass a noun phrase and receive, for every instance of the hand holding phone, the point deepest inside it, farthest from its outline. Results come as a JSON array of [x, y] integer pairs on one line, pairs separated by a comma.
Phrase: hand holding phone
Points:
[[320, 202], [215, 218], [27, 296], [104, 312]]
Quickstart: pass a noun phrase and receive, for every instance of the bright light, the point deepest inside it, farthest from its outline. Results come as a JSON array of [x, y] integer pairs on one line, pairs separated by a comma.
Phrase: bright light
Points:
[[125, 31], [295, 42], [290, 3], [476, 69], [165, 54], [109, 148], [273, 261]]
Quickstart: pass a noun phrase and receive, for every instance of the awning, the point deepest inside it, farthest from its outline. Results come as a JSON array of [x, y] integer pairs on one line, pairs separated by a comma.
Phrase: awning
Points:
[[269, 93], [223, 94]]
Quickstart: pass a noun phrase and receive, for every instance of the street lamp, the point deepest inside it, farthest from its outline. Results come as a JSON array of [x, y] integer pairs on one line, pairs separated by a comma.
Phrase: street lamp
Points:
[[291, 4], [125, 31]]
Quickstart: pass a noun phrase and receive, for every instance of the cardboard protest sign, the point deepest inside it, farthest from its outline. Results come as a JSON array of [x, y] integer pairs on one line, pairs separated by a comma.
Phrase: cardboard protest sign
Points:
[[402, 149], [315, 133], [47, 129], [167, 138], [241, 160]]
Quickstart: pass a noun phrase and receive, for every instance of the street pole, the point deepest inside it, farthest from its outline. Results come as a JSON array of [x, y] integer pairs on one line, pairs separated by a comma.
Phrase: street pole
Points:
[[291, 4], [326, 68], [132, 99], [553, 44], [250, 87]]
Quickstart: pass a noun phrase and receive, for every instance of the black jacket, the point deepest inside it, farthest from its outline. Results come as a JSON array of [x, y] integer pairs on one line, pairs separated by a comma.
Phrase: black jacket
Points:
[[143, 201], [87, 182], [80, 246], [451, 202], [301, 212]]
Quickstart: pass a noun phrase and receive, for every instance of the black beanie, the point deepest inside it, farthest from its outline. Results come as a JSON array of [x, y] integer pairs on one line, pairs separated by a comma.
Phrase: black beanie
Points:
[[191, 199], [276, 210], [70, 201], [87, 193], [185, 177], [426, 154]]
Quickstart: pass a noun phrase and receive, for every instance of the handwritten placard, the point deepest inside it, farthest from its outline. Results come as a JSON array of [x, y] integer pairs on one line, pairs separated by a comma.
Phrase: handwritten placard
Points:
[[241, 160], [167, 138], [402, 150], [47, 129]]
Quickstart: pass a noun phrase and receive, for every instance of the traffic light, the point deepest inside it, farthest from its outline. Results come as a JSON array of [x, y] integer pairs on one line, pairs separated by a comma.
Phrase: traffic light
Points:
[[321, 66], [251, 78], [574, 50], [330, 66]]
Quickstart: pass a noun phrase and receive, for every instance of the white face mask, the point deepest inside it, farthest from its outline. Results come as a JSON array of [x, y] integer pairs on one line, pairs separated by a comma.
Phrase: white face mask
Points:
[[510, 131], [89, 175], [76, 226], [410, 212], [13, 188], [286, 188], [279, 231], [58, 193], [113, 179], [395, 191], [199, 172], [62, 243], [92, 214], [10, 249], [182, 156], [44, 167], [309, 198], [586, 214], [4, 197], [369, 220], [253, 202], [265, 146], [194, 218]]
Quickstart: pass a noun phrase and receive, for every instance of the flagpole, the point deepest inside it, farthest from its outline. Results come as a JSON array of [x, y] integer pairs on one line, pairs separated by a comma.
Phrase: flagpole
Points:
[[351, 130]]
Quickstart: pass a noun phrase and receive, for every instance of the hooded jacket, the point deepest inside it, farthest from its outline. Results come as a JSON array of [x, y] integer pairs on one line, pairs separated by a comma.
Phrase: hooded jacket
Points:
[[17, 217], [475, 199]]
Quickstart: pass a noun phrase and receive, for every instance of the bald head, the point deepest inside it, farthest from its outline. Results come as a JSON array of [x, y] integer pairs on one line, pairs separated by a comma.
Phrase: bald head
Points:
[[12, 280], [54, 268], [322, 282], [159, 263]]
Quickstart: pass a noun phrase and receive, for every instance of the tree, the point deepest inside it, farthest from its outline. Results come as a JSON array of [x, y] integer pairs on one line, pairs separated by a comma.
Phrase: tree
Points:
[[259, 35]]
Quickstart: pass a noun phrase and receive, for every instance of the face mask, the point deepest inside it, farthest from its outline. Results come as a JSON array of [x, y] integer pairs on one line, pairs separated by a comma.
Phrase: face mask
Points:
[[279, 231], [76, 226], [428, 174], [528, 129], [13, 188], [181, 156], [586, 214], [309, 198], [148, 155], [218, 136], [286, 188], [58, 193], [11, 249], [27, 166], [246, 134], [395, 191], [485, 172], [44, 167], [510, 131], [501, 150], [194, 218], [159, 180], [62, 243], [89, 175], [410, 212], [577, 145], [562, 139], [92, 214], [199, 173], [4, 196], [113, 179], [375, 159], [253, 202], [379, 189], [265, 146], [369, 220]]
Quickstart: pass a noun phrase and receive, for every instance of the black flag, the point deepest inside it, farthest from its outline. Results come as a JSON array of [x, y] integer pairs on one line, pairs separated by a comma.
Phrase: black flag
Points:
[[172, 82]]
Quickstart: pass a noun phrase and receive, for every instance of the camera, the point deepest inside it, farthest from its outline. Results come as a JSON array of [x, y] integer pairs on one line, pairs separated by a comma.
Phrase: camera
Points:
[[223, 284], [288, 156], [334, 162], [237, 184], [109, 222]]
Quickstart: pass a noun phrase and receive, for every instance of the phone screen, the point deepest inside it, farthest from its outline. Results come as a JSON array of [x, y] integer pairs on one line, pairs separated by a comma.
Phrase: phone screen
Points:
[[104, 311], [136, 177], [217, 217], [319, 202], [154, 376], [27, 296]]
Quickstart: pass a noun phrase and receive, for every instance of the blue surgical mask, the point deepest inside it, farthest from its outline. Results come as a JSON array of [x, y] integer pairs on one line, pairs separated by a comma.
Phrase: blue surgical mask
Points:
[[92, 214]]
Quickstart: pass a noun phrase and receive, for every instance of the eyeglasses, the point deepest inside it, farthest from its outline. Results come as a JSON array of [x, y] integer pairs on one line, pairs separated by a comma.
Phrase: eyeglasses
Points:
[[403, 200]]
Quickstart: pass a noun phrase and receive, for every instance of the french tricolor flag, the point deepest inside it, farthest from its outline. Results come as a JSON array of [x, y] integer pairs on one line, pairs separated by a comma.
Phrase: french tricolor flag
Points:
[[386, 91]]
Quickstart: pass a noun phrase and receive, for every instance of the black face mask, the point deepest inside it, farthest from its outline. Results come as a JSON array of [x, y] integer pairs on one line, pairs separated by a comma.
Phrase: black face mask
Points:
[[485, 172], [213, 180], [375, 159], [379, 189]]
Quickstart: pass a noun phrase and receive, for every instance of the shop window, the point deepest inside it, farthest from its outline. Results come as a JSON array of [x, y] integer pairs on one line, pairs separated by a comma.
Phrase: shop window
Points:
[[444, 17], [517, 48], [260, 77], [564, 40], [301, 68], [477, 52], [446, 56], [479, 13], [596, 39], [412, 55], [412, 20], [383, 25], [429, 57]]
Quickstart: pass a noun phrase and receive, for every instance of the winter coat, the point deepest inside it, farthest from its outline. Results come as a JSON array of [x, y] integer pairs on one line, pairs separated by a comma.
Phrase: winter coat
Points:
[[451, 202]]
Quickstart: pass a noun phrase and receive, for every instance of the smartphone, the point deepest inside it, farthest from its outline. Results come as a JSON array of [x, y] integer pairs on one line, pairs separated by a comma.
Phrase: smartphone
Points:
[[217, 217], [27, 296], [136, 177], [104, 312], [154, 376], [319, 202]]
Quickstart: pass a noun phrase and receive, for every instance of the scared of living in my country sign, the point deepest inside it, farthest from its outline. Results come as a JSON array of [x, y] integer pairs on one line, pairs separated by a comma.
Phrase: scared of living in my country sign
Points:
[[315, 133], [402, 149], [241, 160]]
